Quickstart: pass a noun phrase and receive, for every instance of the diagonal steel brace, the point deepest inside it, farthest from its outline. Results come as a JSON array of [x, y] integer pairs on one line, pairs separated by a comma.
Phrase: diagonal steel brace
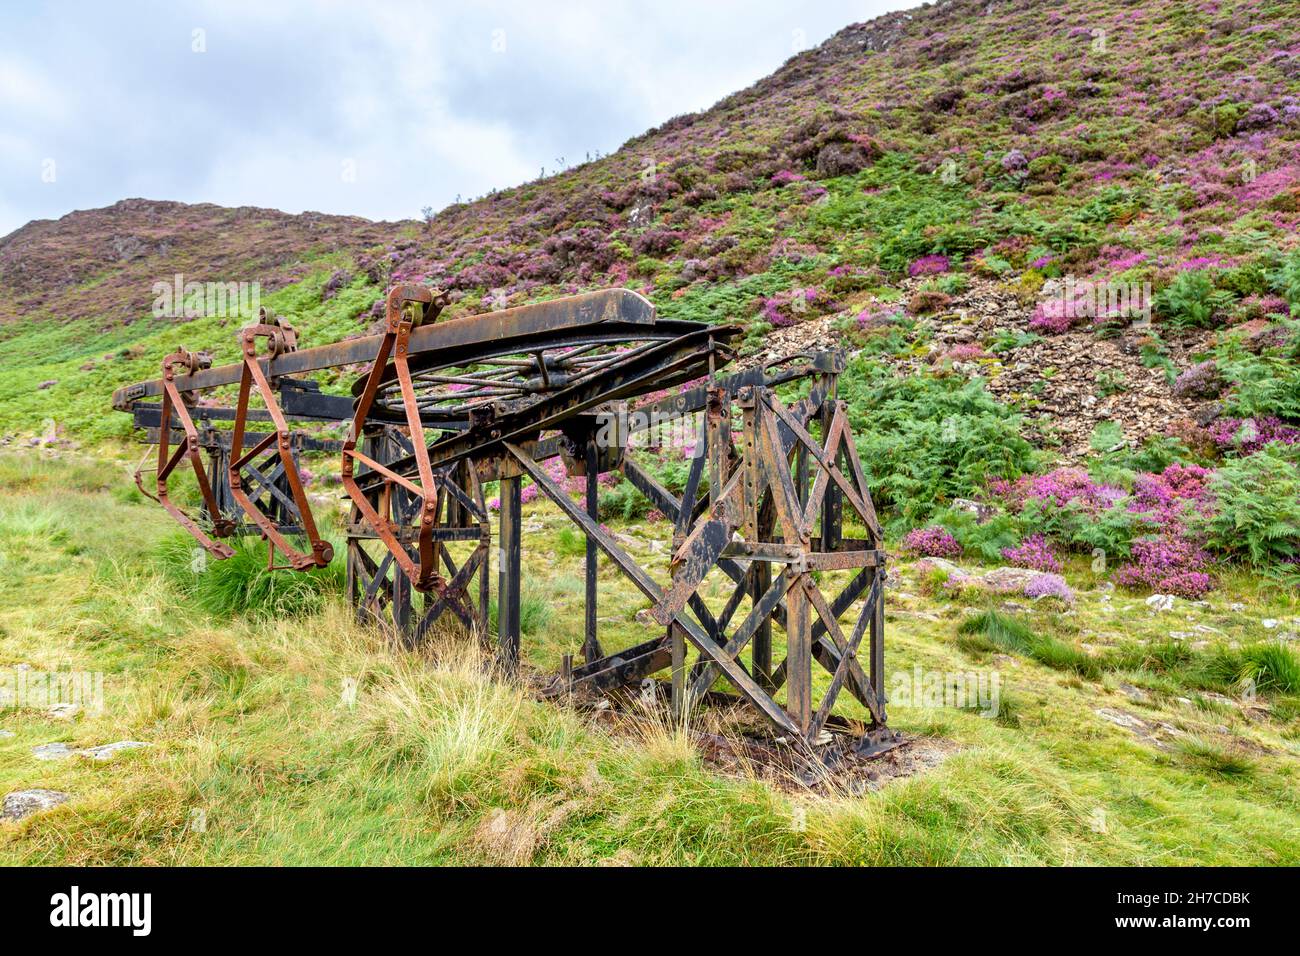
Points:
[[174, 404], [281, 338]]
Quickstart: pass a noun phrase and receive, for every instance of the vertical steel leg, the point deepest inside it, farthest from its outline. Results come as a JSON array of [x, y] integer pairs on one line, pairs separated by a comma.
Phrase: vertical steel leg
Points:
[[877, 637], [590, 645], [508, 543], [485, 588], [798, 648], [760, 579], [678, 643], [833, 503], [402, 606]]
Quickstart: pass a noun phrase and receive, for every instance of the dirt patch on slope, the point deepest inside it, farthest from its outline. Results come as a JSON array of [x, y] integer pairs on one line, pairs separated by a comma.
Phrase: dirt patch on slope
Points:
[[735, 742], [1064, 384]]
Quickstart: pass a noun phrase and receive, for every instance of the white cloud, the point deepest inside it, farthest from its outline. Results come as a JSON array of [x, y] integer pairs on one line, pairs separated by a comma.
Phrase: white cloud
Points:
[[430, 101]]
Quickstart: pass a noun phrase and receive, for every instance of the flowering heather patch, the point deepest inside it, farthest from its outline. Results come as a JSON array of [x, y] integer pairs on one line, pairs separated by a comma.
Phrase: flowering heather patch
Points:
[[1167, 564], [1262, 306], [1014, 161], [1248, 435], [929, 265], [932, 542], [1049, 586], [1200, 381], [785, 177], [1201, 262], [1033, 552], [796, 305], [1056, 315], [1124, 259], [869, 319], [1259, 116], [1167, 499], [966, 352], [1061, 487]]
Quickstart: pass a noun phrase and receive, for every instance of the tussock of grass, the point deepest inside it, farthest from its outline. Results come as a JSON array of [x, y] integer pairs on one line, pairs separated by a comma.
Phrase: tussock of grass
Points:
[[1267, 666], [570, 542], [993, 630], [1209, 757], [998, 630], [534, 614], [242, 584], [1272, 666], [35, 520], [452, 723]]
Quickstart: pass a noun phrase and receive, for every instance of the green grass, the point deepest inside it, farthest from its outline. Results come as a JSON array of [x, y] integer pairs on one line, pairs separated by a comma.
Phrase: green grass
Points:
[[1272, 666], [243, 584], [571, 543], [992, 630], [534, 614], [1209, 757], [261, 756]]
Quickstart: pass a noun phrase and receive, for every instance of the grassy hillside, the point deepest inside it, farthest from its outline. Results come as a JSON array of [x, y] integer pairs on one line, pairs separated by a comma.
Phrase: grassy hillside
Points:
[[1120, 142], [257, 754], [915, 190]]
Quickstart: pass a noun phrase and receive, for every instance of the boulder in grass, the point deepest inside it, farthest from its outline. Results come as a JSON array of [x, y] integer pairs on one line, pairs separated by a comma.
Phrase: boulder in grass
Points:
[[108, 751], [52, 751], [842, 159], [1004, 580], [23, 803]]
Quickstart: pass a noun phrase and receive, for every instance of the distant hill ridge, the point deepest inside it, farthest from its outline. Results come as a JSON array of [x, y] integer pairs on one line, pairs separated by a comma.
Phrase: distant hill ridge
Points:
[[1018, 141]]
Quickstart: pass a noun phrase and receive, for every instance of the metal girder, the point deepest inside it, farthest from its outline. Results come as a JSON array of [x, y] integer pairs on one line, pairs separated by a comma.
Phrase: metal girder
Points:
[[479, 330], [281, 339], [447, 405]]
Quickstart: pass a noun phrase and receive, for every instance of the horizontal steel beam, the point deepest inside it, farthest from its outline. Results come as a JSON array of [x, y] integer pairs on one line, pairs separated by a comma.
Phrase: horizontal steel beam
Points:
[[607, 305]]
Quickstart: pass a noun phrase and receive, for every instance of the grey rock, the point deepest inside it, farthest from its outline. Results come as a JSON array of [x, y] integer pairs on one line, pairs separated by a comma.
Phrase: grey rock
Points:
[[52, 751], [1123, 719], [1160, 602], [23, 803], [1007, 579], [1132, 693], [101, 752], [945, 566], [108, 751]]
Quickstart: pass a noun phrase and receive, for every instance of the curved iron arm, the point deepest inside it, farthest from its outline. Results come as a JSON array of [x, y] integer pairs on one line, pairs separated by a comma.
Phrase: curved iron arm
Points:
[[281, 339], [408, 305], [173, 402]]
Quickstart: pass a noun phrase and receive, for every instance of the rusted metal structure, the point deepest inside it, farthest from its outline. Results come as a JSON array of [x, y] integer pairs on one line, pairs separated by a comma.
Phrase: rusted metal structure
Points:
[[447, 407]]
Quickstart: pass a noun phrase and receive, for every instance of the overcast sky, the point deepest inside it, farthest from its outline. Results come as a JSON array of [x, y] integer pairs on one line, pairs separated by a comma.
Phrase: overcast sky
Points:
[[371, 109]]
